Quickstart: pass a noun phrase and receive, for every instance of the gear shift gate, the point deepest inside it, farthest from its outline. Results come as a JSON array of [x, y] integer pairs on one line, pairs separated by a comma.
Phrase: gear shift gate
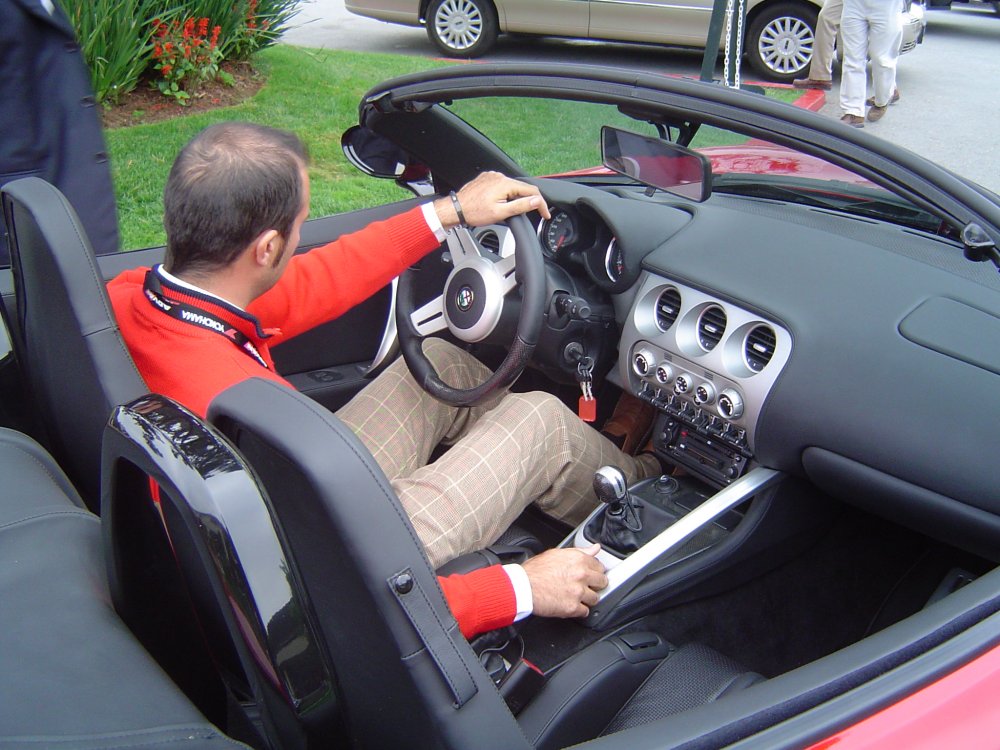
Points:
[[635, 516]]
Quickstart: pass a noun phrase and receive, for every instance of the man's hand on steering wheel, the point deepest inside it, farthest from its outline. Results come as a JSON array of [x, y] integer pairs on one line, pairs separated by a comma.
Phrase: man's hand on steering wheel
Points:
[[490, 198], [472, 303]]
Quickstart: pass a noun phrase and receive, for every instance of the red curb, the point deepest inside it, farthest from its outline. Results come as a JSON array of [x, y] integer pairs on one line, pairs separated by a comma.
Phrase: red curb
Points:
[[814, 100]]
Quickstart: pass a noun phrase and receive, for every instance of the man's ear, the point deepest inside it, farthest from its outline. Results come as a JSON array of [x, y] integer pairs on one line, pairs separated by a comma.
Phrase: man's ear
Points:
[[266, 247]]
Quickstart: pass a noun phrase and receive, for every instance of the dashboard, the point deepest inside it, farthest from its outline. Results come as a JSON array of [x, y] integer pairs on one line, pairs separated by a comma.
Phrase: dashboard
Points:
[[845, 350]]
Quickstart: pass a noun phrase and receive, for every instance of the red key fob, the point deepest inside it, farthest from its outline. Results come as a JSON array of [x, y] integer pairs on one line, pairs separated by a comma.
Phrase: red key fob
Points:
[[587, 409]]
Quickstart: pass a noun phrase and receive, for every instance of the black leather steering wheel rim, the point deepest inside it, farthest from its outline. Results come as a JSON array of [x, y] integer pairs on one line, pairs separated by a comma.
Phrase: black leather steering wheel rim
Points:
[[530, 273]]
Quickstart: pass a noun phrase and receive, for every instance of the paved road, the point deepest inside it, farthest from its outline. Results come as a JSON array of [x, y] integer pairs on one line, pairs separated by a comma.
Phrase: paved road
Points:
[[949, 110], [949, 107]]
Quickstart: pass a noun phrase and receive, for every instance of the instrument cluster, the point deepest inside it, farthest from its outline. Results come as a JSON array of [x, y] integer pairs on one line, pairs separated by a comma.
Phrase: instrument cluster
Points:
[[575, 237]]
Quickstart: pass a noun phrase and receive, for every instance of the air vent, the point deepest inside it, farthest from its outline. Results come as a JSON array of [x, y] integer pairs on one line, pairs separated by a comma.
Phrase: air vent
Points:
[[489, 240], [711, 326], [759, 347], [668, 305]]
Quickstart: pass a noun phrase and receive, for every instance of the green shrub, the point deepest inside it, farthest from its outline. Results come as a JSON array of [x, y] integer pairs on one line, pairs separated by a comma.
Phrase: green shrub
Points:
[[116, 36], [115, 40]]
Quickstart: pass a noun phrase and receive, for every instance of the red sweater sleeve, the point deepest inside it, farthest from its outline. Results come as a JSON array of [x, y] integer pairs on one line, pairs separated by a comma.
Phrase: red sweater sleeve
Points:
[[325, 282], [481, 600]]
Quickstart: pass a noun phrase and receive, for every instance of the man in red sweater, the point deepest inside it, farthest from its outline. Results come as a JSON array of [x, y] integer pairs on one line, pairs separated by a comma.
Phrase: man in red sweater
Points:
[[231, 286]]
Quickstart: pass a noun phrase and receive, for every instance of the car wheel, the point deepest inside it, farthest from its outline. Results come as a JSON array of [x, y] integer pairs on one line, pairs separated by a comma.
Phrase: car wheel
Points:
[[779, 44], [462, 28]]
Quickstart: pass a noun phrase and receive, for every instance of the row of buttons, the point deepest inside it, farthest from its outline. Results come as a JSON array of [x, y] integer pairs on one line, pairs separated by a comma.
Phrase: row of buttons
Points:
[[730, 402], [700, 419]]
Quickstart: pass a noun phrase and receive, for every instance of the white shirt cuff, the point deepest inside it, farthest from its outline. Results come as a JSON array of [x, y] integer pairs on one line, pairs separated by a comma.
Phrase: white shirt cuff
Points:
[[433, 221], [522, 591]]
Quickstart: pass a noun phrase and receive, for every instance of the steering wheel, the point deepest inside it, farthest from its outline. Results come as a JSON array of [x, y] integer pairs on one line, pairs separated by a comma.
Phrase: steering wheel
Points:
[[470, 307]]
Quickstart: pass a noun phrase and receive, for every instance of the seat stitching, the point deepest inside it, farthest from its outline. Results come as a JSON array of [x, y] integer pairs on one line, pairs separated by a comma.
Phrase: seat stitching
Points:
[[50, 514], [41, 464]]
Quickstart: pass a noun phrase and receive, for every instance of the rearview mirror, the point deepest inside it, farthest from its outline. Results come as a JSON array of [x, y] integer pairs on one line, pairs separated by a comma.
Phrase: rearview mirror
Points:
[[657, 163]]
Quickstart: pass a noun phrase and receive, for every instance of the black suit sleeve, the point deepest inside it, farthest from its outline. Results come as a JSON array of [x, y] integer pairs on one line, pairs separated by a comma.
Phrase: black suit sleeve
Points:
[[49, 123]]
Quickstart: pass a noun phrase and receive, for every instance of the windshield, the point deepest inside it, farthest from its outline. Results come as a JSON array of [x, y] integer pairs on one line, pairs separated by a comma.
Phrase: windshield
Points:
[[571, 147]]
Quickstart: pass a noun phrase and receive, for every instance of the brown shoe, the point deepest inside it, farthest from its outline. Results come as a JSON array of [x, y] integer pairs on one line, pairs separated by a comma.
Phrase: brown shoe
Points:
[[875, 113], [630, 424], [812, 83], [855, 121], [870, 101]]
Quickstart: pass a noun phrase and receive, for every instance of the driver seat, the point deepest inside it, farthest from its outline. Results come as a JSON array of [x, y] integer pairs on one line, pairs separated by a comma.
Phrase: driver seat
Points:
[[65, 336], [312, 590]]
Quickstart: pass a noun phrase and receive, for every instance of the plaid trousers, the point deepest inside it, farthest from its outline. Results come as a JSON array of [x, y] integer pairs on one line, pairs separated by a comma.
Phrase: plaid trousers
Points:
[[516, 449]]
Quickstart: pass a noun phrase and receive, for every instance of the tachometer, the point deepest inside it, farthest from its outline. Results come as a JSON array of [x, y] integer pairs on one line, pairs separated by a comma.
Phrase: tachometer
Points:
[[559, 232]]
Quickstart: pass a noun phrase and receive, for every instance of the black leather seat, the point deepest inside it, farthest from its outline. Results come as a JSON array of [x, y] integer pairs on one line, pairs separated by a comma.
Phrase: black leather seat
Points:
[[65, 336], [306, 569], [71, 673], [308, 578]]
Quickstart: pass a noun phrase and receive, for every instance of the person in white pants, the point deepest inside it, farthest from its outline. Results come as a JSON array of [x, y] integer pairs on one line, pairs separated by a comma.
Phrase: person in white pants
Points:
[[821, 67], [869, 28]]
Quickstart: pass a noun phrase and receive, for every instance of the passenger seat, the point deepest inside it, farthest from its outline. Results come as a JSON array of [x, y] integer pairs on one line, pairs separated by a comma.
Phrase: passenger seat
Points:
[[71, 673]]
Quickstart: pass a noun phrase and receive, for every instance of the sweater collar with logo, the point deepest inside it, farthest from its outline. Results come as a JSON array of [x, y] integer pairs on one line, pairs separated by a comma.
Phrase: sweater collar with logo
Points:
[[192, 306]]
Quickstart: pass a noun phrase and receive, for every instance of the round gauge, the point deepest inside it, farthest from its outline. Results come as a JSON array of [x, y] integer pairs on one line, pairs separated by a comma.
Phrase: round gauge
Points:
[[559, 232], [614, 261]]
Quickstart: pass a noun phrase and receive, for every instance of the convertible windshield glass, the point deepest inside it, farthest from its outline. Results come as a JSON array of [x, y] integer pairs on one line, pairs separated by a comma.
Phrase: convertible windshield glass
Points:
[[549, 137]]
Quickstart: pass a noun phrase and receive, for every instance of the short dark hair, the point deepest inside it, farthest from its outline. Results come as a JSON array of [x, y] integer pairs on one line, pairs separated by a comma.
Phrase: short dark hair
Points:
[[229, 184]]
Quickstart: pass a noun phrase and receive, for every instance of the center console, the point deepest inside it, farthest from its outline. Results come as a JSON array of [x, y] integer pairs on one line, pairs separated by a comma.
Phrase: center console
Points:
[[659, 524], [707, 365]]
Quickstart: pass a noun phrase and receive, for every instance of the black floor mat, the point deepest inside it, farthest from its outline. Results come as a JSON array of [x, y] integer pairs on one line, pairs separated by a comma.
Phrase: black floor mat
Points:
[[861, 577]]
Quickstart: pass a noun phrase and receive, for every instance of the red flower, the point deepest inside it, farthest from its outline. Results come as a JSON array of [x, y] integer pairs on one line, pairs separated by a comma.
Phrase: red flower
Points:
[[166, 69], [203, 27], [188, 28], [157, 51]]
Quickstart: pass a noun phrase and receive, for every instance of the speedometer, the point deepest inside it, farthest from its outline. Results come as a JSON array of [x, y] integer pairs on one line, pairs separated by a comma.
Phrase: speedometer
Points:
[[559, 232]]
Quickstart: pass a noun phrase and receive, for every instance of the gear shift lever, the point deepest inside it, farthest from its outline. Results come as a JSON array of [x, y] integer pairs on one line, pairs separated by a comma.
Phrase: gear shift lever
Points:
[[612, 489]]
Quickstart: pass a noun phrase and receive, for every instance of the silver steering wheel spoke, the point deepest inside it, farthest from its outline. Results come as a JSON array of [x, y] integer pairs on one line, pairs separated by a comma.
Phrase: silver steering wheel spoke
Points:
[[505, 267], [462, 246], [429, 318]]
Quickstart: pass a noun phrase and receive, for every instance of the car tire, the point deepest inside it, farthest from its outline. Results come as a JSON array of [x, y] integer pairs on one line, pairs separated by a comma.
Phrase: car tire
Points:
[[780, 40], [462, 28]]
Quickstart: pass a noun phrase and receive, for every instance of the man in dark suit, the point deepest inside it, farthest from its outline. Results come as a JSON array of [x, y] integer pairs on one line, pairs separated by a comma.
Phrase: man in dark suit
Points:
[[49, 122]]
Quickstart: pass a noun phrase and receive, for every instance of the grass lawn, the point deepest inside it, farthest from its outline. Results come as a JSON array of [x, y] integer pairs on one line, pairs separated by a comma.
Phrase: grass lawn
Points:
[[316, 93]]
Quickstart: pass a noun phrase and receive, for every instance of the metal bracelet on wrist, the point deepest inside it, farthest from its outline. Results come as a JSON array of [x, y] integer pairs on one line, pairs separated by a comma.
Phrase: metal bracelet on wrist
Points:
[[458, 209]]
